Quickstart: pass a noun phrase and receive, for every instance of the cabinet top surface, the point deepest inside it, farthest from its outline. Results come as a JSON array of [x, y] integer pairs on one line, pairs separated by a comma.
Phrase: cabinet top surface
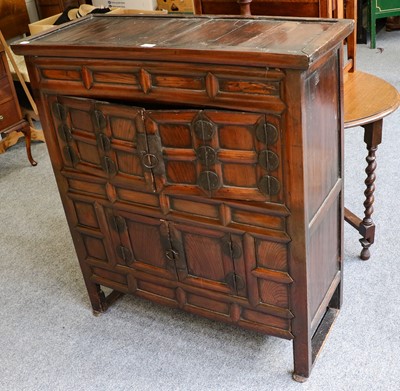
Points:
[[290, 42]]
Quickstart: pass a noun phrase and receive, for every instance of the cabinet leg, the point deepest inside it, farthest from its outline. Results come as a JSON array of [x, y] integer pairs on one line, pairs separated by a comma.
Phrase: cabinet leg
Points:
[[99, 301]]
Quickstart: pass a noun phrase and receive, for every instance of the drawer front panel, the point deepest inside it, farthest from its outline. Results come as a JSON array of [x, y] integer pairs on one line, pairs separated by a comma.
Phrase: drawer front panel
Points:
[[242, 88], [8, 114]]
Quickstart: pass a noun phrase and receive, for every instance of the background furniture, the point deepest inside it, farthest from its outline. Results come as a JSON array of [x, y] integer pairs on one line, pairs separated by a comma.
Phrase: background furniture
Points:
[[362, 17], [304, 8], [48, 8], [206, 180], [14, 18], [11, 118], [378, 9], [362, 110]]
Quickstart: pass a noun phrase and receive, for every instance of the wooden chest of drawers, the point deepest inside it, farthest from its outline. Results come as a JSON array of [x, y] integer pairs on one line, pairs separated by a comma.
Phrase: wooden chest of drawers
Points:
[[199, 161]]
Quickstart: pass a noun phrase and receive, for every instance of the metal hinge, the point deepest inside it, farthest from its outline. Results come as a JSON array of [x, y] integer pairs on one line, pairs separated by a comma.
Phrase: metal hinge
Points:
[[266, 133], [231, 249], [103, 142], [59, 111], [234, 281], [70, 155], [118, 223], [108, 165], [125, 254], [99, 119]]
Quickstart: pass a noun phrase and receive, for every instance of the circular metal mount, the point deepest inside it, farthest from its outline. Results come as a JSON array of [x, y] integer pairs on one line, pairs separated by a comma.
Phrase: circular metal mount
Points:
[[269, 185], [209, 180], [206, 155], [267, 133], [268, 160], [204, 130]]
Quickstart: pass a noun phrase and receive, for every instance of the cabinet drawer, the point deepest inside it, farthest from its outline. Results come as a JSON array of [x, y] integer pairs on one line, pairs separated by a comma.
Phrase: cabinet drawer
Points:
[[8, 114], [228, 86]]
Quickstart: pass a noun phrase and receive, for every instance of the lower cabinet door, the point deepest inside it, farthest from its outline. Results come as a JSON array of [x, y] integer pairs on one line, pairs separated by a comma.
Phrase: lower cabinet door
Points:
[[142, 243], [209, 259]]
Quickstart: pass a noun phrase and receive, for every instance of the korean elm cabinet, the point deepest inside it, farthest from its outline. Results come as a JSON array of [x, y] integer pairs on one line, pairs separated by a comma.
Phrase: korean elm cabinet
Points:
[[199, 161]]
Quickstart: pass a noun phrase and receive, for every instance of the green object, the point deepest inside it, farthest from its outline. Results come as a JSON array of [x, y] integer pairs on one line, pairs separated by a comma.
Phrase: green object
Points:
[[378, 9]]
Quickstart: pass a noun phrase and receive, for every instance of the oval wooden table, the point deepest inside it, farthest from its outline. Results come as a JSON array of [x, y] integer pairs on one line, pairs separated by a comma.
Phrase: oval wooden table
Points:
[[367, 100]]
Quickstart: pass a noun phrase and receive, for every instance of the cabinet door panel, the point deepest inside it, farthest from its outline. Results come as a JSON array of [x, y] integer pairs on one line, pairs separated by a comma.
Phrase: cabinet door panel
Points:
[[106, 140], [143, 244], [209, 259], [267, 269], [88, 219], [221, 154]]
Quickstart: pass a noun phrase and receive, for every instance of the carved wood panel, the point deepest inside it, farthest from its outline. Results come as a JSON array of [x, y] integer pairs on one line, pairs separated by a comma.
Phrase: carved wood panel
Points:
[[202, 155], [190, 152], [105, 140], [219, 86]]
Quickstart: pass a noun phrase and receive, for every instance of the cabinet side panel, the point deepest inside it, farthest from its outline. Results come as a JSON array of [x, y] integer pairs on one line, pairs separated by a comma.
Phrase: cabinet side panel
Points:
[[323, 136], [323, 180]]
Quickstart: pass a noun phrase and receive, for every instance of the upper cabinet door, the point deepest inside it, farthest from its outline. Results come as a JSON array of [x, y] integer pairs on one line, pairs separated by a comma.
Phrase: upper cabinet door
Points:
[[106, 140], [212, 153], [217, 153]]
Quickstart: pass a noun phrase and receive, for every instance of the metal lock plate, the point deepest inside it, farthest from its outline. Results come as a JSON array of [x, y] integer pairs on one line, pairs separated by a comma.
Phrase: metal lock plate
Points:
[[149, 160], [172, 255]]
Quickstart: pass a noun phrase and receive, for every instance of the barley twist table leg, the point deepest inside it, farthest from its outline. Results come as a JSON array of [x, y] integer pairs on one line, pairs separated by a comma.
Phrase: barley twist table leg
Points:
[[372, 137]]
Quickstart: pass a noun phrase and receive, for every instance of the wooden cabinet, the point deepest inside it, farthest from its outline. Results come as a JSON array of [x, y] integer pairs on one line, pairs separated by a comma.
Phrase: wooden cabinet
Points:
[[199, 160], [48, 8]]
